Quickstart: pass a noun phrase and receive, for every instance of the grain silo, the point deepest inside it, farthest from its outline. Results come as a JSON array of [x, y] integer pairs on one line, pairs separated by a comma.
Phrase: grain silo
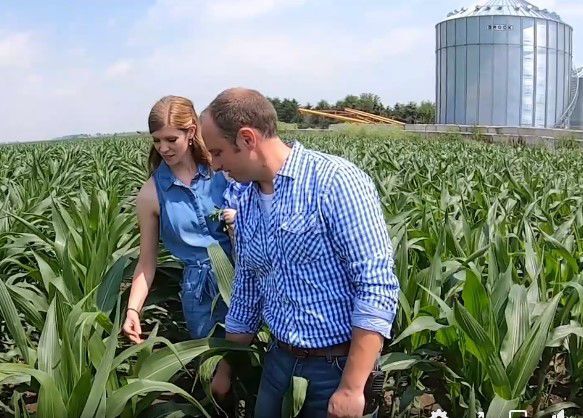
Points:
[[576, 120], [504, 63]]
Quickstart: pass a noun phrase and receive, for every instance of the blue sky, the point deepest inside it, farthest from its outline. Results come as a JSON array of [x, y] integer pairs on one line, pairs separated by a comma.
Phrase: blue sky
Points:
[[90, 66]]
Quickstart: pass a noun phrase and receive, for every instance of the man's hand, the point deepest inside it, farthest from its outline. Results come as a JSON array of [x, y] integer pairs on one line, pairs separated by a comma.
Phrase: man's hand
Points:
[[346, 404], [221, 384], [348, 401], [229, 216]]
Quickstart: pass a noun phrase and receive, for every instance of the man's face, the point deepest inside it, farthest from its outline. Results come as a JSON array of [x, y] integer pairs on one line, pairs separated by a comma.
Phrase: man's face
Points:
[[227, 157]]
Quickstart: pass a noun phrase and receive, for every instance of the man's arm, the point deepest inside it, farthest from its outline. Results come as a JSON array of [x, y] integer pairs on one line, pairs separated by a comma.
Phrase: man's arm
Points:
[[354, 218], [353, 215], [243, 318], [221, 384], [364, 349], [349, 399], [244, 314]]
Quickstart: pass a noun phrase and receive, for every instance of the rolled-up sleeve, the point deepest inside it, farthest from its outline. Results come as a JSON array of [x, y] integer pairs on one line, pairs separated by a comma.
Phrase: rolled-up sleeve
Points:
[[354, 217], [244, 316]]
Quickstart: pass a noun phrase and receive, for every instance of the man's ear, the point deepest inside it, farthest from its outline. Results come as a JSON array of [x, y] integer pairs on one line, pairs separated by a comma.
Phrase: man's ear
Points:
[[247, 138]]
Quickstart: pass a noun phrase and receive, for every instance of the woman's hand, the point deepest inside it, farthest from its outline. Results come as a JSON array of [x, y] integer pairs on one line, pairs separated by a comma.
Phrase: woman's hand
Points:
[[132, 328]]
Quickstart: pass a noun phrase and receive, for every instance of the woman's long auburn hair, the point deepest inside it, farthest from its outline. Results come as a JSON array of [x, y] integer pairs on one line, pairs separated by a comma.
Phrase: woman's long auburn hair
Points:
[[176, 112]]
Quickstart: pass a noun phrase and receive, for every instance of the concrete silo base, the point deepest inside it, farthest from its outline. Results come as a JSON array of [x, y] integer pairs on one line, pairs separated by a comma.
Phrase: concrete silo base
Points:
[[550, 138]]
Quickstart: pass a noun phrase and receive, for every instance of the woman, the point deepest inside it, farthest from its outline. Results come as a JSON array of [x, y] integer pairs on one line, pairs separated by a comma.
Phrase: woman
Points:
[[175, 205]]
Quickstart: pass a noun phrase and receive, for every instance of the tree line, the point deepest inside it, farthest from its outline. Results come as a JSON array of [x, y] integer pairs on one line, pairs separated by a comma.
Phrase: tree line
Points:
[[412, 112]]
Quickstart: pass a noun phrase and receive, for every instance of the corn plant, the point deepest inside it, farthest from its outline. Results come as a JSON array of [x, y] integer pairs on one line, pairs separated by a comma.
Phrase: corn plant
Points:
[[487, 244], [488, 250]]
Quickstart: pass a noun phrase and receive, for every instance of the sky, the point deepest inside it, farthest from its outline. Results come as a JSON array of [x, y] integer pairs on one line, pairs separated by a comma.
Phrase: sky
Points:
[[97, 66]]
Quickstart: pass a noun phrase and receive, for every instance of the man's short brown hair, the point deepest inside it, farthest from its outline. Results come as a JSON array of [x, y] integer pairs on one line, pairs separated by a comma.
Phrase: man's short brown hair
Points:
[[236, 108]]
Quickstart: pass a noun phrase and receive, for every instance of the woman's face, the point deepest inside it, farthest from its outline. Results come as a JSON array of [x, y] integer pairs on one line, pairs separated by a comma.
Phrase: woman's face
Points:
[[172, 144]]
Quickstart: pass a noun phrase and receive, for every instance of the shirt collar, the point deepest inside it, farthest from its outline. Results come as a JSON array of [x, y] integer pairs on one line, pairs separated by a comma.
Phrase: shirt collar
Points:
[[204, 171], [166, 178], [293, 164]]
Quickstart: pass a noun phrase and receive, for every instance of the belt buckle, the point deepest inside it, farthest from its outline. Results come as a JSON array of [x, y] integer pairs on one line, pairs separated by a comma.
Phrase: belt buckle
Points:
[[302, 353]]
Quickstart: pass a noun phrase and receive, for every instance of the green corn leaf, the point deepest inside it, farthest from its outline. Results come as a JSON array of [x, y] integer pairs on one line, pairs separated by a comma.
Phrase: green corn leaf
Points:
[[483, 348], [119, 398], [500, 407], [223, 270], [98, 389], [419, 324], [50, 404], [526, 359], [294, 398], [517, 322], [108, 289], [13, 323]]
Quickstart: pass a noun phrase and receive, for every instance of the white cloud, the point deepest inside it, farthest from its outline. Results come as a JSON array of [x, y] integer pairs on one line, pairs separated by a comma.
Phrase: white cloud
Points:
[[245, 9], [276, 55], [34, 79], [78, 53], [163, 10], [198, 48], [168, 12], [119, 69], [81, 97], [17, 50]]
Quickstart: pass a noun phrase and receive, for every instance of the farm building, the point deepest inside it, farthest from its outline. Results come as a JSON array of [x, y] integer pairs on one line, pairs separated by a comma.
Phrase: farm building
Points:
[[507, 63]]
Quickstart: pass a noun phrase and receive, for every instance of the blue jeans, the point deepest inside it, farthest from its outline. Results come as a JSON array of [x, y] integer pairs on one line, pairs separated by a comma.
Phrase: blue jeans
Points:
[[323, 377], [197, 295]]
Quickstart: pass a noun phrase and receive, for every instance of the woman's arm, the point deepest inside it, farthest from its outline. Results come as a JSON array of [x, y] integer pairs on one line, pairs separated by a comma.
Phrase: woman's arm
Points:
[[148, 218]]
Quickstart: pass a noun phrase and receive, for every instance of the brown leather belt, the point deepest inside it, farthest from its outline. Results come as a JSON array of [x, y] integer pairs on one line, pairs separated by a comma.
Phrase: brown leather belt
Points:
[[337, 350]]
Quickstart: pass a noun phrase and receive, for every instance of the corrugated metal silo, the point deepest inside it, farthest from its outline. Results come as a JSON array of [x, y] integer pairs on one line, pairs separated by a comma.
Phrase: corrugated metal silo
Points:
[[577, 116], [503, 63]]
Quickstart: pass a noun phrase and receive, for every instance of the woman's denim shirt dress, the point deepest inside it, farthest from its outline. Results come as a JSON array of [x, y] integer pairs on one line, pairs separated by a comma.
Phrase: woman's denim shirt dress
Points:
[[187, 230]]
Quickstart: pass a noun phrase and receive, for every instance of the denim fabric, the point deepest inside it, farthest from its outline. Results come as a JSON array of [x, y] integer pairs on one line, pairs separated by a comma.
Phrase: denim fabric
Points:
[[187, 224], [187, 229], [280, 366], [198, 290]]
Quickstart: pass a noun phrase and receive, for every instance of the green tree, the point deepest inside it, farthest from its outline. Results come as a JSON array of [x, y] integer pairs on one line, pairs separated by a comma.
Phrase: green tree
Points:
[[289, 111], [371, 103], [426, 112], [351, 101], [286, 109], [320, 121]]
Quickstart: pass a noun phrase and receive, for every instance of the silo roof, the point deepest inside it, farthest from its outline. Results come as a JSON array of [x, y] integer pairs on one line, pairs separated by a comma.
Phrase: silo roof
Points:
[[504, 8]]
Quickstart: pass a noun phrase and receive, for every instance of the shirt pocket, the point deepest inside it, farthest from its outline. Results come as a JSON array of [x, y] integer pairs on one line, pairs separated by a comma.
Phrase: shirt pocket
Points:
[[301, 238]]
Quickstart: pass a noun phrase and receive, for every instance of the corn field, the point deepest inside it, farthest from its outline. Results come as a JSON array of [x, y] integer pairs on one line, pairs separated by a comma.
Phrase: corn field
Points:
[[488, 244]]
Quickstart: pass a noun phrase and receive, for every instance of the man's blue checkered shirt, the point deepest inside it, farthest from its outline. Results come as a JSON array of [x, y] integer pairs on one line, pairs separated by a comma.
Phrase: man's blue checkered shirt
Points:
[[322, 262]]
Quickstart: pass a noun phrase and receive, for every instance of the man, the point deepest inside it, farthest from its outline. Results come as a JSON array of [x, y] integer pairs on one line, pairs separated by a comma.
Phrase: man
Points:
[[314, 261]]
